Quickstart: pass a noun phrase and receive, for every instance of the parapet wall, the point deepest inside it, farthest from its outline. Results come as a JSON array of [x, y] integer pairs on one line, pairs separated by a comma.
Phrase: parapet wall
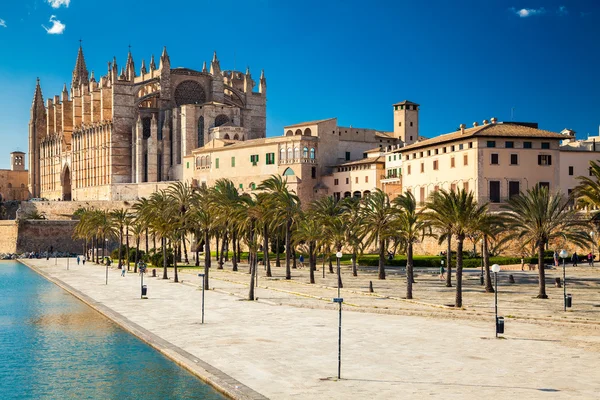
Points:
[[38, 236], [63, 210]]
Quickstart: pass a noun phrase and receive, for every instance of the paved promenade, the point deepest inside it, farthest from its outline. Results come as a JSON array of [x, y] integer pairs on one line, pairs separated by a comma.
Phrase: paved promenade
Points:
[[283, 351]]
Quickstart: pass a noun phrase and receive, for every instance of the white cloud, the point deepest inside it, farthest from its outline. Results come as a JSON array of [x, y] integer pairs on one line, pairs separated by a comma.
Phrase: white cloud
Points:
[[2, 23], [562, 11], [57, 27], [59, 3], [528, 12]]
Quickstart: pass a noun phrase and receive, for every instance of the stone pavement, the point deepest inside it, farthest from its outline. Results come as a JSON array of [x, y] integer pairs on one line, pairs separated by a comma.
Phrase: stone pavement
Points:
[[283, 351]]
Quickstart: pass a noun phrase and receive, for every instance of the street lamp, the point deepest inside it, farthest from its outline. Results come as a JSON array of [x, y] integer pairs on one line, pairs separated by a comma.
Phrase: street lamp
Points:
[[105, 242], [481, 277], [563, 254], [339, 300], [593, 245], [499, 320], [202, 276]]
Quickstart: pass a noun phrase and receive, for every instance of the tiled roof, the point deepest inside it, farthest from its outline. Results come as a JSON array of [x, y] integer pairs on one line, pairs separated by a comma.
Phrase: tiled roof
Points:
[[405, 102], [387, 135], [308, 123], [362, 161], [489, 130]]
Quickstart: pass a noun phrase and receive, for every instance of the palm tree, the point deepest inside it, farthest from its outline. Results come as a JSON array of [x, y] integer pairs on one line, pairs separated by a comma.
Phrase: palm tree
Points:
[[310, 231], [286, 207], [202, 218], [162, 223], [137, 229], [439, 210], [377, 217], [225, 198], [119, 220], [412, 226], [354, 235], [537, 217], [181, 195]]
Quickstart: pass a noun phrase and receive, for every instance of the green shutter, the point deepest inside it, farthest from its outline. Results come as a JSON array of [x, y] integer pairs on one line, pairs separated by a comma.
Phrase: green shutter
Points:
[[187, 165], [233, 161], [216, 163]]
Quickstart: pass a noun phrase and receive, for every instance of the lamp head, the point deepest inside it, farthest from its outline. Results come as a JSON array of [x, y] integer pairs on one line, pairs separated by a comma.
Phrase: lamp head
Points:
[[495, 268], [563, 254], [339, 254]]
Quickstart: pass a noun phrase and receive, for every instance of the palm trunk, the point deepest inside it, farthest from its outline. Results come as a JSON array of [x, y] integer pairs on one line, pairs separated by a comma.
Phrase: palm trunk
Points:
[[312, 261], [239, 251], [147, 241], [277, 252], [409, 271], [354, 267], [176, 278], [252, 261], [266, 259], [449, 261], [542, 272], [331, 271], [223, 242], [288, 233], [206, 258], [185, 252], [217, 247], [137, 254], [127, 248], [340, 284], [489, 288], [164, 251], [381, 259], [459, 265], [294, 259], [103, 247], [197, 250], [234, 259], [120, 247]]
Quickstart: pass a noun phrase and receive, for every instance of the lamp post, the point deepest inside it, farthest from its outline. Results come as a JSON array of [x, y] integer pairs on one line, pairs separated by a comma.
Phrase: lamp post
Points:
[[593, 245], [563, 254], [481, 277], [105, 242], [339, 300], [496, 269], [202, 276]]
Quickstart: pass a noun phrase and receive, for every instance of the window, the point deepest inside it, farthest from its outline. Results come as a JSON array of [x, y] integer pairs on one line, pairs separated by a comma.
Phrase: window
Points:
[[366, 179], [411, 124], [527, 145], [452, 148], [297, 153], [313, 172], [305, 152], [254, 159], [394, 157], [436, 151], [407, 157], [428, 152], [336, 182], [570, 170], [312, 153], [545, 145], [509, 145], [241, 185], [444, 149], [491, 143], [347, 156], [356, 179], [187, 164], [495, 191], [452, 162], [435, 165], [436, 188], [422, 167], [514, 189], [465, 159], [494, 159], [252, 186], [270, 158], [544, 185], [233, 161], [544, 159], [460, 146], [514, 159], [281, 154], [422, 195], [421, 154], [216, 163], [347, 182], [389, 158], [466, 186], [408, 169], [453, 187], [470, 145]]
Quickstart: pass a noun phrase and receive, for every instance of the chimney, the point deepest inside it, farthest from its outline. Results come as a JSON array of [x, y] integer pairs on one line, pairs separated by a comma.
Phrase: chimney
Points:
[[462, 129], [485, 122], [475, 124], [494, 120]]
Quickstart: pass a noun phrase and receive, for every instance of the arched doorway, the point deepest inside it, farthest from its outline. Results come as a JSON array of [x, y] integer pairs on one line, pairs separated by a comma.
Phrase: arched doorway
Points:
[[66, 184]]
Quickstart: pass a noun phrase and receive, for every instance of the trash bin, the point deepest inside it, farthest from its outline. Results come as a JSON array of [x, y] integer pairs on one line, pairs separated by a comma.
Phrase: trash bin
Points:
[[500, 325], [569, 300], [144, 290], [154, 273]]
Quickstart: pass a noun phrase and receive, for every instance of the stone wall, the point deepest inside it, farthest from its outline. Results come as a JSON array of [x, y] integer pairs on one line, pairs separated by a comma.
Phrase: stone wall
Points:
[[63, 210], [37, 235]]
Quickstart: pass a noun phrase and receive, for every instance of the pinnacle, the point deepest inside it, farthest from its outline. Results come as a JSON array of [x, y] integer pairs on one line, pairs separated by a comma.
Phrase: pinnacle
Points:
[[215, 59]]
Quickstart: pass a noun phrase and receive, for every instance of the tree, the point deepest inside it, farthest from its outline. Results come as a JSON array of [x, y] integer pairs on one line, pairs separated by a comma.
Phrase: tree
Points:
[[537, 217], [118, 219], [411, 225], [377, 217], [439, 213], [310, 231]]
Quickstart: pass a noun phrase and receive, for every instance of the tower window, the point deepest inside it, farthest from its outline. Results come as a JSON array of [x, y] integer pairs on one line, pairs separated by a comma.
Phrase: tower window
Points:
[[411, 124], [411, 138], [570, 170], [399, 123]]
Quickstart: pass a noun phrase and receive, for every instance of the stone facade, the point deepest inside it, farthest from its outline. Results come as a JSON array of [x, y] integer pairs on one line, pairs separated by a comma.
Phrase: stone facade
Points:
[[13, 181], [36, 235], [132, 127]]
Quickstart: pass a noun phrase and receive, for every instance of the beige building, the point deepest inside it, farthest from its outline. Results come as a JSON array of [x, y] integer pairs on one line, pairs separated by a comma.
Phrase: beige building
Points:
[[575, 158], [356, 178], [120, 136], [13, 181], [495, 160]]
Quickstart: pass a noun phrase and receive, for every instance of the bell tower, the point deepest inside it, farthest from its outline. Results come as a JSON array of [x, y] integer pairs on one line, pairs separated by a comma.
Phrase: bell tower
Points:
[[406, 121]]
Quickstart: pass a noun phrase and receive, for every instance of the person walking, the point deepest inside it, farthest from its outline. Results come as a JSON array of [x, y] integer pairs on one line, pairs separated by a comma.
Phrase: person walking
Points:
[[442, 273], [78, 260], [575, 259], [301, 259], [556, 258], [589, 257], [83, 260], [123, 271]]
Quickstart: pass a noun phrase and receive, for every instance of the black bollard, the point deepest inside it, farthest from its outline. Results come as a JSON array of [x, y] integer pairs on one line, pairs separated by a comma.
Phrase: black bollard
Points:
[[511, 279], [557, 283], [154, 273], [371, 287]]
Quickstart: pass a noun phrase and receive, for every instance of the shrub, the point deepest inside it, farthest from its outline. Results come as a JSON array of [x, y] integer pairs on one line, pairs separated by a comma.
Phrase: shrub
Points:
[[115, 253]]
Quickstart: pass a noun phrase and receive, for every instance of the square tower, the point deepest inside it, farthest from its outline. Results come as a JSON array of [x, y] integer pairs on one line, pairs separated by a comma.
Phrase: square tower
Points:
[[406, 121], [17, 161]]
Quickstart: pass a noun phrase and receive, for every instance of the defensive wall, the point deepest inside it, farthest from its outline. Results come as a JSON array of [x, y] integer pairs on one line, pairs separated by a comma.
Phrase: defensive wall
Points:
[[19, 236]]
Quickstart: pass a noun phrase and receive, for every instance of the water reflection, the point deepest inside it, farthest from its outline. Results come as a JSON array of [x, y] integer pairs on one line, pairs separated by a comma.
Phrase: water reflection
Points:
[[53, 346]]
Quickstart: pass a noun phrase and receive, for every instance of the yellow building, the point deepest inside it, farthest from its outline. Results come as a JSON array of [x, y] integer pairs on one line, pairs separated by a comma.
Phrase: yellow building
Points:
[[13, 181]]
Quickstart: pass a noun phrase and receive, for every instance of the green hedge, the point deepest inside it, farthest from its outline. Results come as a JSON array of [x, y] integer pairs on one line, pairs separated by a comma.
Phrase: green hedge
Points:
[[372, 260]]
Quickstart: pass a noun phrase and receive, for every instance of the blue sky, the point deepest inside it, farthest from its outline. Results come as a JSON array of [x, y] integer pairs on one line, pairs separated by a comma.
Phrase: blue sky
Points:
[[462, 60]]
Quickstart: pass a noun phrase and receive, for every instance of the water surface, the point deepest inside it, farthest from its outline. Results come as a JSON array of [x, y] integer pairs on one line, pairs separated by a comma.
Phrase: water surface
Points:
[[53, 346]]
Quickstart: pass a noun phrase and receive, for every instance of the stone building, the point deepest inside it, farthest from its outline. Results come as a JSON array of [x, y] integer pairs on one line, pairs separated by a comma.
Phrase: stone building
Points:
[[122, 135], [13, 181]]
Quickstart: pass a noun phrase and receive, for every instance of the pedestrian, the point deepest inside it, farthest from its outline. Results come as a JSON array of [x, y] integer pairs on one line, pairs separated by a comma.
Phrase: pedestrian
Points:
[[301, 259], [575, 259], [522, 263], [442, 272], [589, 257], [123, 271], [78, 260], [83, 260], [556, 258]]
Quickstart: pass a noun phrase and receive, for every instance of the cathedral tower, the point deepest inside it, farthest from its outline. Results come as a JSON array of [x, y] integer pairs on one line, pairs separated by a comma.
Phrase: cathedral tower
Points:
[[37, 131], [406, 121]]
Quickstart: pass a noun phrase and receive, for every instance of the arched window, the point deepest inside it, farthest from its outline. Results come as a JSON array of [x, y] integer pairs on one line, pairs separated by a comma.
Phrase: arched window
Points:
[[189, 92], [201, 132], [221, 120], [22, 185], [236, 137], [298, 132], [305, 152], [198, 162], [357, 195], [366, 193], [226, 136], [290, 154], [312, 153], [297, 153], [307, 132], [252, 186], [289, 133], [281, 154], [201, 162], [347, 194], [288, 172]]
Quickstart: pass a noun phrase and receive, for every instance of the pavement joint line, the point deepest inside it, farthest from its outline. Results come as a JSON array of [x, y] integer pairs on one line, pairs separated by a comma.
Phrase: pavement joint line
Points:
[[216, 378]]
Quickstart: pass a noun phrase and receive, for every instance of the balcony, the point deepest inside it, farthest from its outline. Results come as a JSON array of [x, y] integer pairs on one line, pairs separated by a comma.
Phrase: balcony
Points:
[[390, 178], [303, 160]]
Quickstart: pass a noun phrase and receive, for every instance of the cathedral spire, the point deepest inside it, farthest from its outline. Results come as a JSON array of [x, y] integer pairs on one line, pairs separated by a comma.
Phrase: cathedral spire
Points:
[[248, 83], [165, 61], [204, 67], [130, 67], [262, 88], [143, 70], [152, 63], [38, 97], [215, 67], [80, 73]]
